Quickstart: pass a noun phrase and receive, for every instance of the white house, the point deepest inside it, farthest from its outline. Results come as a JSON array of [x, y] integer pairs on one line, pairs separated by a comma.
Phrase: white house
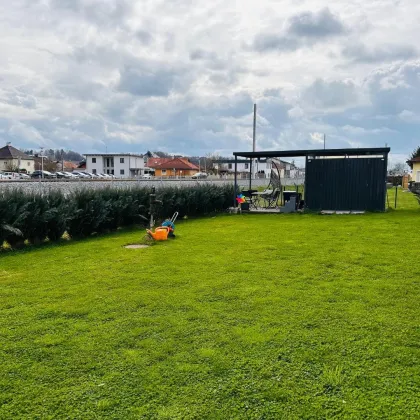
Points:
[[122, 165], [287, 169], [12, 159], [260, 168]]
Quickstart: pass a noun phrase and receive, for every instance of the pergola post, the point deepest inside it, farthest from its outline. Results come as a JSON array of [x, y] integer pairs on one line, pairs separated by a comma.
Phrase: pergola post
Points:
[[235, 182], [250, 174], [385, 176]]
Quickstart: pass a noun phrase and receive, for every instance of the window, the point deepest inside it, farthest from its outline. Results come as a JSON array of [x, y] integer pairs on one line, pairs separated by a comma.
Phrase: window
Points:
[[246, 165], [121, 160], [94, 171], [163, 171], [29, 163], [112, 172], [121, 171], [229, 166], [94, 161]]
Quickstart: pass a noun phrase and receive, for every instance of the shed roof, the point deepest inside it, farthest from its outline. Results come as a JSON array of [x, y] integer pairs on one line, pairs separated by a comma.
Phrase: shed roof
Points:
[[315, 152]]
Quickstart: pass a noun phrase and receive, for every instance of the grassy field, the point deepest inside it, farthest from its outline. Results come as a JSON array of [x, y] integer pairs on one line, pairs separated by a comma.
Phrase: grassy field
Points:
[[248, 317]]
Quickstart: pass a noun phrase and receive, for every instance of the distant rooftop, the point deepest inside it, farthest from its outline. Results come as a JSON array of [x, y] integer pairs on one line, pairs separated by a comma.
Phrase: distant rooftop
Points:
[[10, 152], [113, 154]]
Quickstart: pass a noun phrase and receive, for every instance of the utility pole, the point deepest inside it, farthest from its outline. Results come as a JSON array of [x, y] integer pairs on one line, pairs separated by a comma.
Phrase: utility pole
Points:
[[254, 132], [324, 141], [255, 128], [42, 162]]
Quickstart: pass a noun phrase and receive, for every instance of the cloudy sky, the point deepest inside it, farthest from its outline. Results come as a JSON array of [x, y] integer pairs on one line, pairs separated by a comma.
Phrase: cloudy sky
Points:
[[182, 75]]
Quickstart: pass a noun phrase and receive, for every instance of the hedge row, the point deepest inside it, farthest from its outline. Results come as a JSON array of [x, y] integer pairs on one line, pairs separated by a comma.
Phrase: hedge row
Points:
[[35, 217]]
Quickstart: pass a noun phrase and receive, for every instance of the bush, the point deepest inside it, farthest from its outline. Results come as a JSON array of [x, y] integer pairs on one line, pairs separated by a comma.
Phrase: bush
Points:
[[35, 217]]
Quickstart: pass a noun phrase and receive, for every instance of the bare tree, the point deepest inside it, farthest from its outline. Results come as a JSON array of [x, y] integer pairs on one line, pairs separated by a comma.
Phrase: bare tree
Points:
[[10, 167], [50, 165], [398, 169]]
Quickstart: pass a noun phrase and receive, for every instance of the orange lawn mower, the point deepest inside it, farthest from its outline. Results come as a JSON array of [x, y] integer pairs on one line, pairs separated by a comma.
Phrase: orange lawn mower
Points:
[[165, 231]]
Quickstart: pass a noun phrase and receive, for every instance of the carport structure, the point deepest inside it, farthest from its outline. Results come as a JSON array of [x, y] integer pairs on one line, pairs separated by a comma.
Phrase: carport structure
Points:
[[335, 179]]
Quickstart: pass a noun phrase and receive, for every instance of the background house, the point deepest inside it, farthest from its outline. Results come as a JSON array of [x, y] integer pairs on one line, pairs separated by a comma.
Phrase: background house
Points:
[[13, 160], [67, 166], [172, 167], [261, 168], [122, 165], [226, 167], [288, 169], [415, 162]]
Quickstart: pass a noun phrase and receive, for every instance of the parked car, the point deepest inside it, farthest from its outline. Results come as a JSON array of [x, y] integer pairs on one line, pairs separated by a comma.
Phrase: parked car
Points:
[[199, 175], [83, 175], [43, 174], [71, 175], [11, 175], [147, 176], [3, 176], [60, 174], [24, 176]]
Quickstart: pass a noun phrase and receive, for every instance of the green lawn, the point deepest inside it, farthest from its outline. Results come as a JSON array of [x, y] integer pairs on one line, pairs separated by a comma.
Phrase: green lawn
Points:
[[248, 317]]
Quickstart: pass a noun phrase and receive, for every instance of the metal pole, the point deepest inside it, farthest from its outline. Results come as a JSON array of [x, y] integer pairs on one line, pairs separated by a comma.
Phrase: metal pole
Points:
[[235, 182], [255, 129], [42, 162], [385, 177], [396, 195], [250, 174], [305, 190], [324, 141], [152, 198]]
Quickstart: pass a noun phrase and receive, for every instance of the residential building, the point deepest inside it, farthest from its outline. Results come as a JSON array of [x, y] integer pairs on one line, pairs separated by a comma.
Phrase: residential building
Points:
[[288, 169], [172, 167], [45, 163], [68, 166], [260, 168], [122, 165], [416, 169], [154, 162], [12, 159]]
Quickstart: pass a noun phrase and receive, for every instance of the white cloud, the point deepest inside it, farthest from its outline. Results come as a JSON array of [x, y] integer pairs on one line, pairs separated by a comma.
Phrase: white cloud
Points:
[[183, 75]]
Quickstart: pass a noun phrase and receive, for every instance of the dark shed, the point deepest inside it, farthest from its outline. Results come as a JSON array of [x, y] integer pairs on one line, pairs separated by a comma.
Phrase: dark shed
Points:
[[339, 179]]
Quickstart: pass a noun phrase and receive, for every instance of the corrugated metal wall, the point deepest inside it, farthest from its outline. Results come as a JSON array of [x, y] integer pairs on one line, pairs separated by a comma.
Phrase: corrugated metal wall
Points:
[[346, 184]]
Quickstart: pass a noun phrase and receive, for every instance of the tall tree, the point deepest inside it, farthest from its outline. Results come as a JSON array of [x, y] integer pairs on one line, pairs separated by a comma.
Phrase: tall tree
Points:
[[415, 154]]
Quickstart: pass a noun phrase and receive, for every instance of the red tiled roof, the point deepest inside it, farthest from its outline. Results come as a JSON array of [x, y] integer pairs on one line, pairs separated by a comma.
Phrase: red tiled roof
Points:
[[155, 162], [416, 159], [175, 163], [70, 165]]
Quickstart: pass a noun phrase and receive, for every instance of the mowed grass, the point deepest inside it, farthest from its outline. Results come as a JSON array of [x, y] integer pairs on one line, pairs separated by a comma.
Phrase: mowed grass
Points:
[[248, 317]]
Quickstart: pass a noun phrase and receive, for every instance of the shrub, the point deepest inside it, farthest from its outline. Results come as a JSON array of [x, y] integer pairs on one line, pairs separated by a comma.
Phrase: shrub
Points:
[[36, 217], [12, 206]]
